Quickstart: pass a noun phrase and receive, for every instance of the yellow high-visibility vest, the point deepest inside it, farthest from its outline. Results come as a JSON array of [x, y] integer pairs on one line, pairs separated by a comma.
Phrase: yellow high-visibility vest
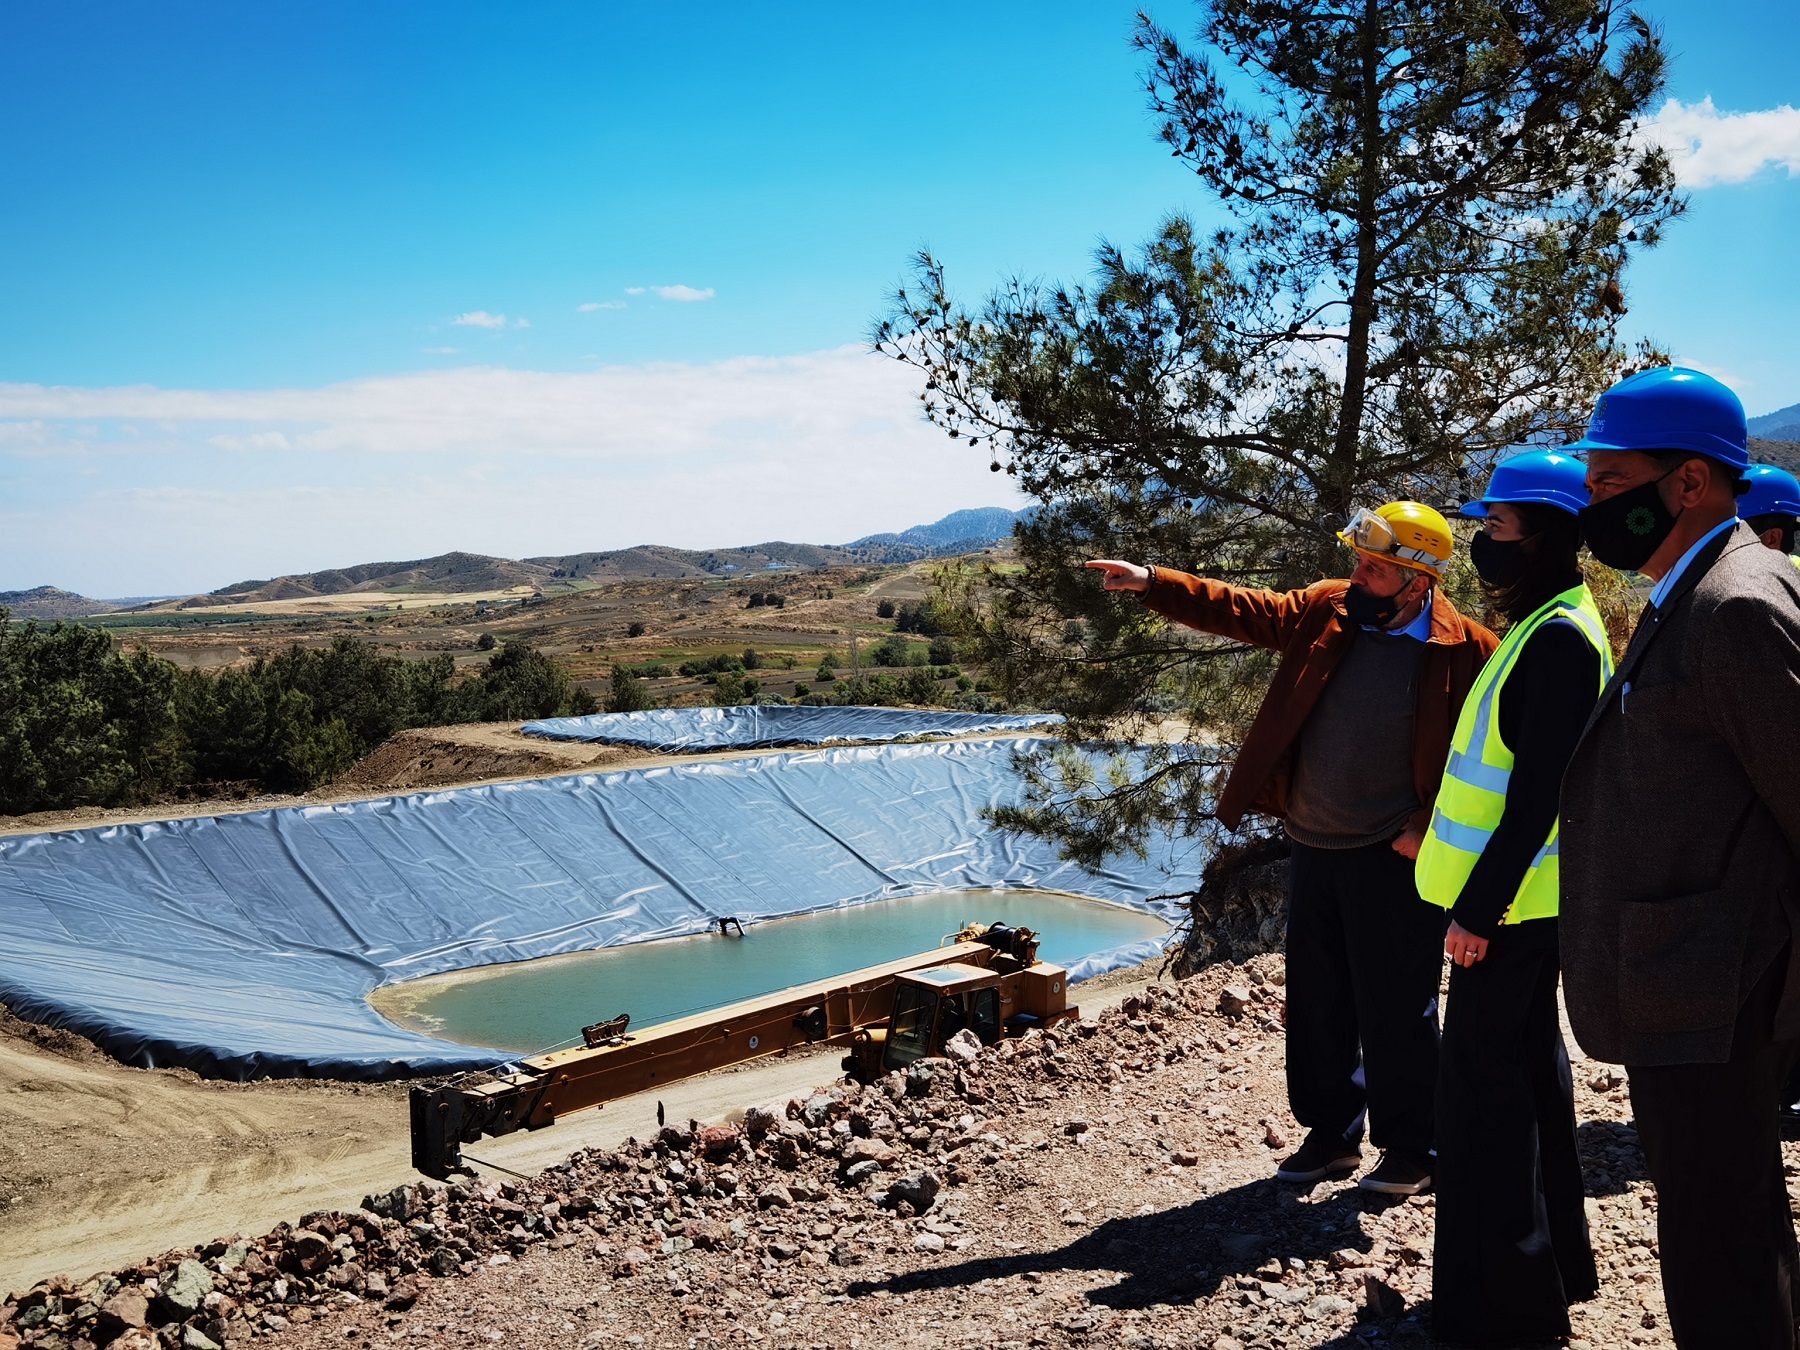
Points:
[[1472, 797]]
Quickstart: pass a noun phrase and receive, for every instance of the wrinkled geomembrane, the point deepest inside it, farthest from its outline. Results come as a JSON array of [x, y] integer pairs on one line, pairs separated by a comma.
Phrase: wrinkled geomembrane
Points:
[[245, 945], [674, 731]]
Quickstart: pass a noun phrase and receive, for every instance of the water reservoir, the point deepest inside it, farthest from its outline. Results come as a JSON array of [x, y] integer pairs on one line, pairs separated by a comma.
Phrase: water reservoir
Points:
[[529, 1006]]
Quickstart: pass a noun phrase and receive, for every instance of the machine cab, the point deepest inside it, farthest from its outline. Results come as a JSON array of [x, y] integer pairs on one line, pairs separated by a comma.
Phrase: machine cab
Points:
[[931, 1006]]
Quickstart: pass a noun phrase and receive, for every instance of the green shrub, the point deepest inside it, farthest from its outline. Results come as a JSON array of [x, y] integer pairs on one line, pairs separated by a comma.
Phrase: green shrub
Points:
[[920, 685], [890, 651], [734, 688], [628, 692], [921, 619]]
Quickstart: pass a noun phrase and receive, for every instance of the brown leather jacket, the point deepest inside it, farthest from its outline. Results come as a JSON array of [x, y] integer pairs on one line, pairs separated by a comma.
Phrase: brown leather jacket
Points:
[[1307, 628]]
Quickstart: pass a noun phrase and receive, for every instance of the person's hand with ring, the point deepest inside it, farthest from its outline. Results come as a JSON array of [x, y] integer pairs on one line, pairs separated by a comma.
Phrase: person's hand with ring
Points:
[[1462, 946]]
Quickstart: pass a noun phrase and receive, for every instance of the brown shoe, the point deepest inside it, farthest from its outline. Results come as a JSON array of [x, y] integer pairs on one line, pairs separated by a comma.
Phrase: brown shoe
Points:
[[1323, 1154], [1397, 1174]]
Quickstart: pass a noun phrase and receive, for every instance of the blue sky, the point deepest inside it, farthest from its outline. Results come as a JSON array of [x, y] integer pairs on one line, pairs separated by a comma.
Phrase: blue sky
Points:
[[238, 241]]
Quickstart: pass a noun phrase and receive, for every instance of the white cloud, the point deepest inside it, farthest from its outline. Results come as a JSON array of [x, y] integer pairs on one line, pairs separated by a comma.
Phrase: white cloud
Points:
[[258, 440], [440, 351], [593, 305], [480, 318], [1708, 147], [643, 410], [226, 484], [634, 290], [684, 293]]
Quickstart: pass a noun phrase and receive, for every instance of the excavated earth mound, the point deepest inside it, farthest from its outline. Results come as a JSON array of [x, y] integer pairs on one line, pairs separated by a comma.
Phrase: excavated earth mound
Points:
[[1106, 1184], [442, 756]]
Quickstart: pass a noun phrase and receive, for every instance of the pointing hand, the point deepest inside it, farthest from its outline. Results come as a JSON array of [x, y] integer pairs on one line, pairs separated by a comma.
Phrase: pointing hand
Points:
[[1122, 576]]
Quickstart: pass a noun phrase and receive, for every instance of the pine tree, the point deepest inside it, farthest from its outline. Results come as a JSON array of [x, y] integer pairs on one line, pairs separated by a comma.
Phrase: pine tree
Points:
[[1430, 206]]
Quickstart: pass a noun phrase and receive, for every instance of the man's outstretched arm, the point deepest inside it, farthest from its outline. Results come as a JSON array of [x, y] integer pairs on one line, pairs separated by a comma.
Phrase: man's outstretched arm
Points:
[[1241, 613]]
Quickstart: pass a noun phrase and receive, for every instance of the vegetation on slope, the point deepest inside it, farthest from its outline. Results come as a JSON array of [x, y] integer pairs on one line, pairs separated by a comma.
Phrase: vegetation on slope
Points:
[[83, 724]]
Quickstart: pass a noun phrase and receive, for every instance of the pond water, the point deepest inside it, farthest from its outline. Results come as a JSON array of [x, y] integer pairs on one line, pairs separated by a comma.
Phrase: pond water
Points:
[[530, 1006]]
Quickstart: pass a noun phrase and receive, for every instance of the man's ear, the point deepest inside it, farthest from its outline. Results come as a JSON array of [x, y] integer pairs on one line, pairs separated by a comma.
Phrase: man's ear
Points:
[[1692, 482]]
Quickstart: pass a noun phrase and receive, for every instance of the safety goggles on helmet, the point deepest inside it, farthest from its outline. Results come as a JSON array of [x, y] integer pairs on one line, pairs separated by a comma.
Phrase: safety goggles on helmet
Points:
[[1370, 533]]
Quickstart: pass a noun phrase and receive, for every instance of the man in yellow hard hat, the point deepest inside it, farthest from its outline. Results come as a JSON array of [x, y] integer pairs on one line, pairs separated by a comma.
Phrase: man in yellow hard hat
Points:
[[1348, 750]]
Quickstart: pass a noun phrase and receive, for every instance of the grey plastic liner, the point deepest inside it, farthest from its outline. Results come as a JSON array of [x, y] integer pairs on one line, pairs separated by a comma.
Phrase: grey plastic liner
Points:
[[673, 731], [244, 945]]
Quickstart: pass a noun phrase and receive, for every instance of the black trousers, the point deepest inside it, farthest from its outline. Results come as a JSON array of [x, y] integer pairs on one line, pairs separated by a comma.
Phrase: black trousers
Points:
[[1731, 1275], [1512, 1248], [1364, 955]]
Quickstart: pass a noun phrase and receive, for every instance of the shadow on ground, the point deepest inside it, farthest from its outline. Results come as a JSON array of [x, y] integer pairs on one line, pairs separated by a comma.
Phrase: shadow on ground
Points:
[[1610, 1157], [1190, 1252], [1179, 1255]]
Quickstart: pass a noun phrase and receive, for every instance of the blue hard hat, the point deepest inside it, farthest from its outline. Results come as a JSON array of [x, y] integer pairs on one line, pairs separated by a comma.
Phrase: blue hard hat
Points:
[[1769, 491], [1546, 476], [1670, 408]]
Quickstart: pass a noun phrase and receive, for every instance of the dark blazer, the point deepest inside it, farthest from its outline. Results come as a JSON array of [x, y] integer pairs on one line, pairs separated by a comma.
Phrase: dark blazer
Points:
[[1681, 816]]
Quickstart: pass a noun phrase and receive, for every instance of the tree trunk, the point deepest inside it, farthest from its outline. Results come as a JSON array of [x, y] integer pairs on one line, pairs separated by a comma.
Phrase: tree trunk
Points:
[[1362, 293]]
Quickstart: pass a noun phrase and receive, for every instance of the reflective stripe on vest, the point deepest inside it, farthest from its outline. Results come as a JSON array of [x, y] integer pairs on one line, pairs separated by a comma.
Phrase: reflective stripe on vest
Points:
[[1472, 797]]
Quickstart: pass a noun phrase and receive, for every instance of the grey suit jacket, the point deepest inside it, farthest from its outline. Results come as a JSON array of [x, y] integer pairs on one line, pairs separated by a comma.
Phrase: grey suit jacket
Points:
[[1681, 817]]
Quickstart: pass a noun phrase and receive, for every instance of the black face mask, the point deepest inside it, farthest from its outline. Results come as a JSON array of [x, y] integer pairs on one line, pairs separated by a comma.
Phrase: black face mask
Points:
[[1626, 530], [1498, 562], [1369, 610]]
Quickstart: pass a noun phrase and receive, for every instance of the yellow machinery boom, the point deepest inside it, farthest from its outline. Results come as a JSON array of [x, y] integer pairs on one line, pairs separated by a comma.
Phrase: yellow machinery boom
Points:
[[853, 1009]]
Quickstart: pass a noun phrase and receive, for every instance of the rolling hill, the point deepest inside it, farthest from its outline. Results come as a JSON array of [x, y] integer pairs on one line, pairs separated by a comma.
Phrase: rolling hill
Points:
[[449, 572], [465, 573], [48, 602]]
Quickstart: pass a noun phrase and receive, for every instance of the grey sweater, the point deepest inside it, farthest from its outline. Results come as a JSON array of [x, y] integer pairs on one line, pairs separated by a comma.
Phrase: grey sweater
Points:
[[1353, 779]]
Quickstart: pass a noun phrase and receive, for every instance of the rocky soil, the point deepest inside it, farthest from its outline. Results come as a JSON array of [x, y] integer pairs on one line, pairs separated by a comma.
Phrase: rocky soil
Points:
[[1105, 1184]]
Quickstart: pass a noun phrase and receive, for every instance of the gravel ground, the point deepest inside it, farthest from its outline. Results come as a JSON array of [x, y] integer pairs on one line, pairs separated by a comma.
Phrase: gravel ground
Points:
[[1108, 1184]]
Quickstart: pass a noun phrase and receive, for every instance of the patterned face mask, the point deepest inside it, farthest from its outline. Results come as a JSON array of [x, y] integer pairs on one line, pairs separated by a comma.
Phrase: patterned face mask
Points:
[[1626, 530]]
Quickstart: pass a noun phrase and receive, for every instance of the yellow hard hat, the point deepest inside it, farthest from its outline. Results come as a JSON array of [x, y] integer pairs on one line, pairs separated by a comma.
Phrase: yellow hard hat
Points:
[[1409, 534]]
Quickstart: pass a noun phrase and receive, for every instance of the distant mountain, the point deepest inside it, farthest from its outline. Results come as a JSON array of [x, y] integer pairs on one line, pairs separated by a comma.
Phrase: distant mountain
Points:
[[958, 532], [1781, 425], [656, 560], [47, 602], [465, 573]]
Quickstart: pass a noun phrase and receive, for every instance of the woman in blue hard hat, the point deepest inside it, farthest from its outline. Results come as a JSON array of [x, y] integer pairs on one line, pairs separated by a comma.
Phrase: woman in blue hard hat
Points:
[[1512, 1248], [1769, 503]]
